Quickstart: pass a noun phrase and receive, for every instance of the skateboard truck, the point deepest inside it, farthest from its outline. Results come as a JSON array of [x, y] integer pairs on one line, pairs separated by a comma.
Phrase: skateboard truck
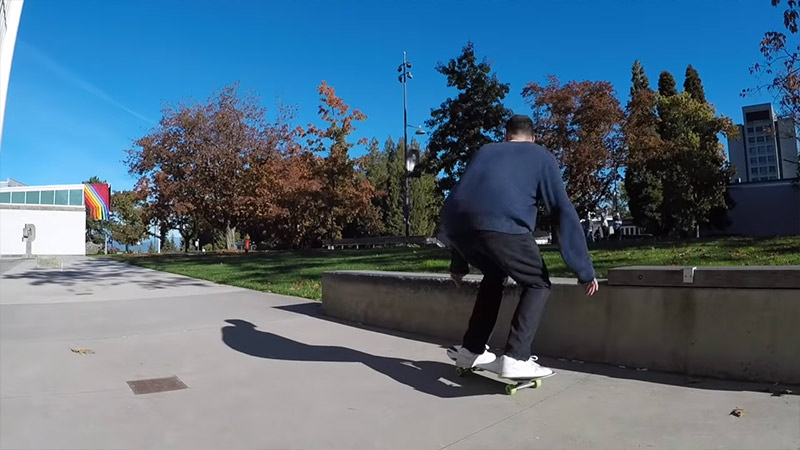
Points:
[[513, 386]]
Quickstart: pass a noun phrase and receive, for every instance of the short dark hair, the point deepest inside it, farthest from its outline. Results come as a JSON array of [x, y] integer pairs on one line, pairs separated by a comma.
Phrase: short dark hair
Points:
[[519, 124]]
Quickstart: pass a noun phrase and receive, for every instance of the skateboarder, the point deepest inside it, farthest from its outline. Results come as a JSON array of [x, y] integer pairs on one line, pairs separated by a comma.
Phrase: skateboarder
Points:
[[489, 218]]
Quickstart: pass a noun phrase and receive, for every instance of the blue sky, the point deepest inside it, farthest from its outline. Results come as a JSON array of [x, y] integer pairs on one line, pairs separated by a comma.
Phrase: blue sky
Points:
[[90, 76]]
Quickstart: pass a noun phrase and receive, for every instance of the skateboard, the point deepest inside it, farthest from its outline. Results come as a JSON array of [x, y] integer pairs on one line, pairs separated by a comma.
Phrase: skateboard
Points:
[[512, 384]]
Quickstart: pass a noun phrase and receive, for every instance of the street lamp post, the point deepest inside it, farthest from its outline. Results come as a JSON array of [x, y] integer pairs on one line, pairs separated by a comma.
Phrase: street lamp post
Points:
[[410, 157]]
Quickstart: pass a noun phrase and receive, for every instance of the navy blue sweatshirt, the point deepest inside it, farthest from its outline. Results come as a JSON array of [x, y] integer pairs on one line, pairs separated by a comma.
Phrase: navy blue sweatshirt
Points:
[[500, 191]]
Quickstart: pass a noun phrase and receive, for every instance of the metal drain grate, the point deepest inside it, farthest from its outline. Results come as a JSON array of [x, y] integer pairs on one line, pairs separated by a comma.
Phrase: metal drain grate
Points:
[[154, 385]]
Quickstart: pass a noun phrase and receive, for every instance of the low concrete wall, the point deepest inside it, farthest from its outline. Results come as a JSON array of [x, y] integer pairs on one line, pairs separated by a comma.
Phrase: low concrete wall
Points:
[[719, 330]]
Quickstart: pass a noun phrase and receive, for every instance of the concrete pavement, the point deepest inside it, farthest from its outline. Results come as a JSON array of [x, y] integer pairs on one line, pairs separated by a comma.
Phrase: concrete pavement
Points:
[[268, 372]]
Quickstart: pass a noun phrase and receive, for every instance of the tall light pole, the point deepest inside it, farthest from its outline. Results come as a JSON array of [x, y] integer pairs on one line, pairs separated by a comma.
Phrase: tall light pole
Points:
[[410, 157]]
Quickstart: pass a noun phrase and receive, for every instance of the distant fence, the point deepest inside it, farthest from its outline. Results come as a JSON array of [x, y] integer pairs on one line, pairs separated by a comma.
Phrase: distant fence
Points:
[[386, 241]]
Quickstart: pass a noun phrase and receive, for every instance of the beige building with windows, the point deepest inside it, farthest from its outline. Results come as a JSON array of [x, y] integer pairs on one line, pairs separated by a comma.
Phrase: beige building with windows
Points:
[[766, 149]]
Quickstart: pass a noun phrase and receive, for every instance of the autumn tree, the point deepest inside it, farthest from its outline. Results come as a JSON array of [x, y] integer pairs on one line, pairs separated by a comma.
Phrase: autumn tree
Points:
[[128, 226], [345, 192], [580, 123], [194, 165], [474, 117]]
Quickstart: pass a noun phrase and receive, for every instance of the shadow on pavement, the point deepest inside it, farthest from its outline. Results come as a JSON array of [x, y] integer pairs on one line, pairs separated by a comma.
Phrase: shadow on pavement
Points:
[[611, 371], [431, 377], [102, 273], [672, 379]]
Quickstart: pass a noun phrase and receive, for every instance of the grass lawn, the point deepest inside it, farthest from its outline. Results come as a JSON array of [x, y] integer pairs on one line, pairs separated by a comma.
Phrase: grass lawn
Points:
[[299, 273]]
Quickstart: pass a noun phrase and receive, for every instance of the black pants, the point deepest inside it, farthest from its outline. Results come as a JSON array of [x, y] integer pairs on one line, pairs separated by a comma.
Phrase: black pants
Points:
[[498, 256]]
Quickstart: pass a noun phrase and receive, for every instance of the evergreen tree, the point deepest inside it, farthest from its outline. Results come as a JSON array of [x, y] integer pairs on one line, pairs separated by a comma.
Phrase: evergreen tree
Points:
[[425, 201], [474, 117], [393, 212], [643, 183], [693, 85], [667, 86]]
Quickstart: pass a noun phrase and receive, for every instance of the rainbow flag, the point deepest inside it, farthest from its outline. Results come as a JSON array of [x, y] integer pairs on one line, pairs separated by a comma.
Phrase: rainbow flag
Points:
[[98, 199]]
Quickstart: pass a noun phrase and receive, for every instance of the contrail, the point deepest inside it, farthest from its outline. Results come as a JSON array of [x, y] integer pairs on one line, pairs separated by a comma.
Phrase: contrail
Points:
[[52, 65]]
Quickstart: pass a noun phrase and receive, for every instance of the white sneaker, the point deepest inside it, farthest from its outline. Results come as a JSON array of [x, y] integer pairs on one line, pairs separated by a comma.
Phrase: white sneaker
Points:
[[466, 359], [511, 368]]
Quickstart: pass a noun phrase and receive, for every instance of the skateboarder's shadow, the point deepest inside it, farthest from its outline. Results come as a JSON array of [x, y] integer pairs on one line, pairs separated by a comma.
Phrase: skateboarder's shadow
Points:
[[431, 377]]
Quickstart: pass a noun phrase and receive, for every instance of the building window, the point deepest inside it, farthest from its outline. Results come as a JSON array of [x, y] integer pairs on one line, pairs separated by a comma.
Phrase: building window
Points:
[[32, 197], [752, 150], [5, 197], [771, 158], [753, 160], [772, 169], [62, 198], [770, 148], [762, 170], [751, 140], [762, 159], [760, 139], [749, 129], [76, 197], [48, 197], [762, 150], [754, 171], [759, 129]]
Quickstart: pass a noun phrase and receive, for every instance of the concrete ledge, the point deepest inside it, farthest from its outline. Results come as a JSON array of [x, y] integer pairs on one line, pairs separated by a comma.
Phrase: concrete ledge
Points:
[[746, 277], [743, 334]]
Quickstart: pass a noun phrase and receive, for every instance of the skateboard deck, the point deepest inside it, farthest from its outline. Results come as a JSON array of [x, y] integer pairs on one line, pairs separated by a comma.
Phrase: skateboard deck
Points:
[[512, 384]]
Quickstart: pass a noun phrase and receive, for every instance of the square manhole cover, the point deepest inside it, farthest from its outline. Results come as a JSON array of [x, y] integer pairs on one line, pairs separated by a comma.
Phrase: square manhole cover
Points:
[[154, 385]]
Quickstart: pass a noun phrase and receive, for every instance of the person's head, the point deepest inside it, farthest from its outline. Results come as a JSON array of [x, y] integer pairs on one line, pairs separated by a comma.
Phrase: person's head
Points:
[[519, 128]]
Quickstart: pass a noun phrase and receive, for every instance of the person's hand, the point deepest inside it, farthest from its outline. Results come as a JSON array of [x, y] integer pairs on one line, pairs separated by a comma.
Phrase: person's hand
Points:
[[456, 277], [592, 287]]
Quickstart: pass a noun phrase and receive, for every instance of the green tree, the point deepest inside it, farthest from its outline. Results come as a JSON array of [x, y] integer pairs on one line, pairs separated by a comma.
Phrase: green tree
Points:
[[376, 168], [693, 85], [96, 230], [643, 183], [425, 200], [696, 172], [168, 245], [462, 124], [384, 169], [127, 218], [667, 86]]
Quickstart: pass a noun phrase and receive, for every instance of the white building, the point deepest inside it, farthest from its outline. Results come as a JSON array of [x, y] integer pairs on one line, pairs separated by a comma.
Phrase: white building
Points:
[[52, 217], [10, 13], [766, 148]]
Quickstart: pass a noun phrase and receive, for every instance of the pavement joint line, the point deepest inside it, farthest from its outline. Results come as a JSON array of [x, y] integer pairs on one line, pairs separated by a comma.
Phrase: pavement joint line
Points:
[[512, 415], [60, 394], [97, 299], [137, 335]]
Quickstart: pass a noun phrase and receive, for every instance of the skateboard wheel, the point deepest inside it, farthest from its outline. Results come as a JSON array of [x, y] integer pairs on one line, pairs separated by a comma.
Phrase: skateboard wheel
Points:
[[461, 371], [510, 390], [537, 384]]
